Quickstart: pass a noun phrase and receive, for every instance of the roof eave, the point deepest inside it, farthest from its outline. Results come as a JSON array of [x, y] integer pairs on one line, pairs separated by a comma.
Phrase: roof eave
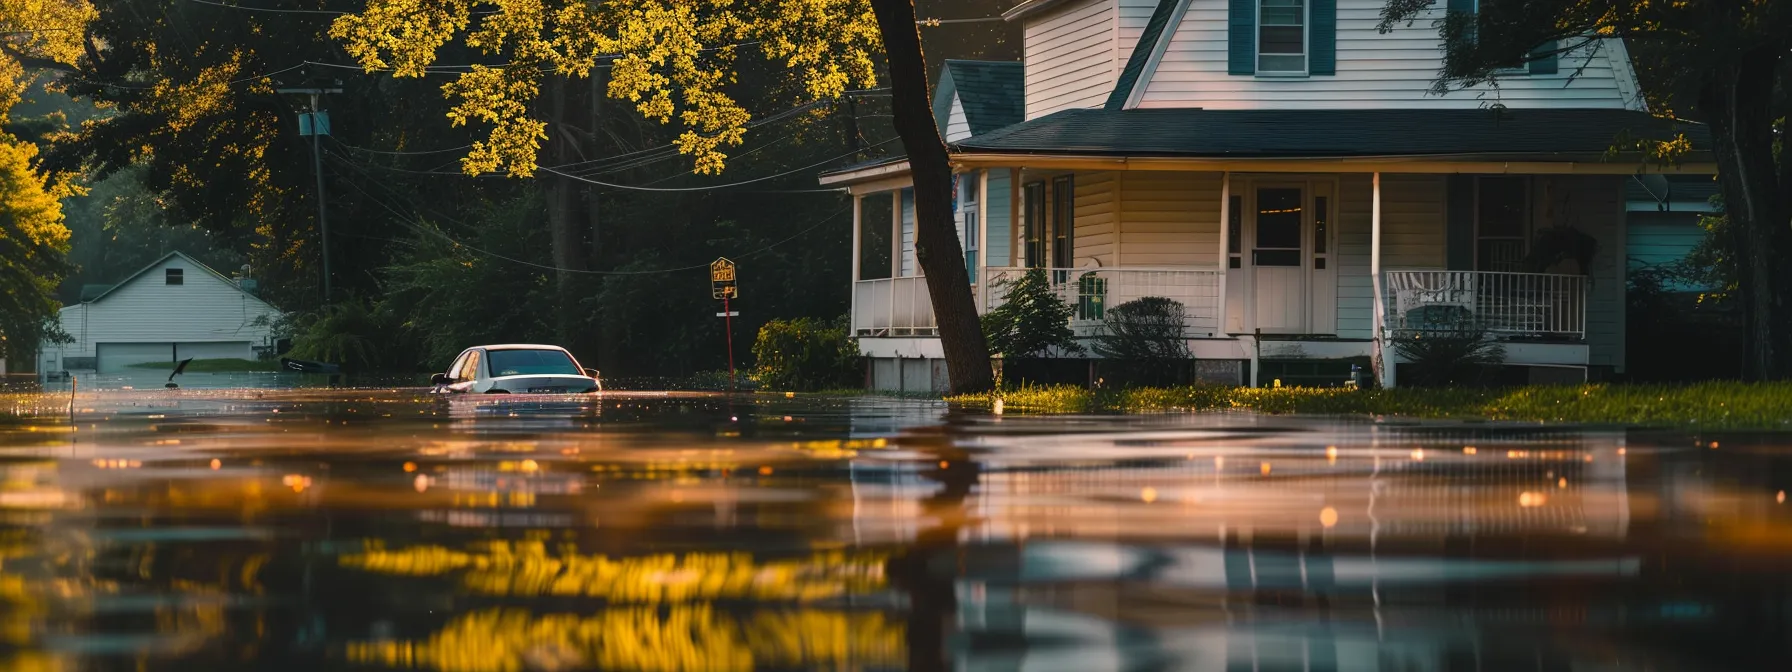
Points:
[[866, 174], [1029, 8], [1480, 163]]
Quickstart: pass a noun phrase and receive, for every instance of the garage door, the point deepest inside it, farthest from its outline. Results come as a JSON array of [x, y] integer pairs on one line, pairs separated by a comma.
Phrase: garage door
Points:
[[118, 357], [230, 350]]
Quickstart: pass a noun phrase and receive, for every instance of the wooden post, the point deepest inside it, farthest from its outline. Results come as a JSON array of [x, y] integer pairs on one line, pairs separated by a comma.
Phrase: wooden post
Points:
[[982, 241], [1384, 369], [858, 273]]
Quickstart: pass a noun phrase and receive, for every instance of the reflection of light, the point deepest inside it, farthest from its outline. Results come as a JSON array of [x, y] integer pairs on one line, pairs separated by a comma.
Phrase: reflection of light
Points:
[[410, 467], [1714, 445], [1781, 498], [1331, 454], [1469, 450], [1562, 482], [296, 482], [1328, 516], [1620, 451], [765, 471], [421, 483], [1148, 495], [216, 464], [1418, 455], [1531, 499], [1265, 468]]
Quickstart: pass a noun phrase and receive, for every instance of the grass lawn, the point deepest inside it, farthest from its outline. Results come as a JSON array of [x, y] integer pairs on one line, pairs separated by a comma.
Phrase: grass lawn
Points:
[[1720, 405], [215, 366]]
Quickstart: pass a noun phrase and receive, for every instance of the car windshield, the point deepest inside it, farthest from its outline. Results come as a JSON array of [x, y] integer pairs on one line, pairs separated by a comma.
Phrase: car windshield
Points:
[[531, 362]]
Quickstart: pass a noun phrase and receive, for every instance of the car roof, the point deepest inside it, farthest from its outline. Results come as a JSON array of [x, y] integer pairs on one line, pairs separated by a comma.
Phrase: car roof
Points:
[[518, 346]]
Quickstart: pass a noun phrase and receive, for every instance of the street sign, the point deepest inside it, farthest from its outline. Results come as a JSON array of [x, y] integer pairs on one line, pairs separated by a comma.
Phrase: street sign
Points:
[[731, 313], [722, 279]]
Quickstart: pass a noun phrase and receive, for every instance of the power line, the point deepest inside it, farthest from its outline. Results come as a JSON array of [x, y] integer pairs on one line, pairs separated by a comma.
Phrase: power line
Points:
[[424, 228], [718, 186]]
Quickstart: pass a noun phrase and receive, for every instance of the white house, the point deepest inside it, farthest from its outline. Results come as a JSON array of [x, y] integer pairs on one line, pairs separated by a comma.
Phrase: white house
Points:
[[173, 309], [1285, 171]]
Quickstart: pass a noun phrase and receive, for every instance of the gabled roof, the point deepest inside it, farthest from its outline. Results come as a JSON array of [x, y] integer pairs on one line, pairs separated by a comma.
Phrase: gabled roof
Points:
[[1150, 47], [992, 93], [1194, 132], [164, 259]]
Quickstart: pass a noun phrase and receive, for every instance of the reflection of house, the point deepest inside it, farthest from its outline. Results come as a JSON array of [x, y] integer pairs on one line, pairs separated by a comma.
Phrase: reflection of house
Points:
[[1284, 171], [173, 309]]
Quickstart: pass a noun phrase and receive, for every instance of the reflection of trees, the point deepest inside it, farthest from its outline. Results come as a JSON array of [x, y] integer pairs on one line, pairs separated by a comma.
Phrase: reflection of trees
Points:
[[529, 568], [672, 639]]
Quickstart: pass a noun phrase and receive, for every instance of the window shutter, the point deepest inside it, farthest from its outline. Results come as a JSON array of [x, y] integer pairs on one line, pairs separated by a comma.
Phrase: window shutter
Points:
[[1544, 62], [1462, 6], [1324, 38], [1242, 38], [1459, 223]]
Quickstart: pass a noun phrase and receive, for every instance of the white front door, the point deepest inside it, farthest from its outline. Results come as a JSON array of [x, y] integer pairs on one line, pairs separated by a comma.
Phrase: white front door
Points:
[[1277, 219]]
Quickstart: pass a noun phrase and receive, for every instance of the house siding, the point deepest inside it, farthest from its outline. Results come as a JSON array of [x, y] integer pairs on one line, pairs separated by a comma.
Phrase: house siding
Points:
[[1070, 57], [1000, 207], [1097, 210], [1374, 70], [204, 309], [1412, 237], [958, 127], [909, 267], [1170, 219]]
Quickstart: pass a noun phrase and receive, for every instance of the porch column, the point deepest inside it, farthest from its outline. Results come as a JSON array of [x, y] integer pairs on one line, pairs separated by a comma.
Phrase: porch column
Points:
[[1384, 369], [982, 261], [857, 273], [1225, 256], [1015, 241]]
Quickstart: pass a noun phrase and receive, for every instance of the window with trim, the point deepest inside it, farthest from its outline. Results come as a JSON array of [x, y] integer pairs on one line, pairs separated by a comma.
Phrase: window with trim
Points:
[[1502, 223], [174, 276], [1063, 221], [1282, 37], [1032, 220], [969, 204]]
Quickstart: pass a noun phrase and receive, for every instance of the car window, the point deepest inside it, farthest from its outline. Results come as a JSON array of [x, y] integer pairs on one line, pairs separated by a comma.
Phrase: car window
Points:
[[532, 363], [459, 364], [471, 370]]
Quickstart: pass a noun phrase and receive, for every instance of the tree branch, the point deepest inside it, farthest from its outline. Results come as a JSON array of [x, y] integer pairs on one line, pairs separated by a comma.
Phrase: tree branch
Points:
[[35, 62]]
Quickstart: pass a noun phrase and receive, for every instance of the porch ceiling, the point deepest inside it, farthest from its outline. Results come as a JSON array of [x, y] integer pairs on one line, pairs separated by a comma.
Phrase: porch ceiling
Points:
[[1538, 135]]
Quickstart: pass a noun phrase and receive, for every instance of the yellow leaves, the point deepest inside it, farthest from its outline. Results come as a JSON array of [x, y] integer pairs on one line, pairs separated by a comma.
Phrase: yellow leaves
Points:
[[674, 59]]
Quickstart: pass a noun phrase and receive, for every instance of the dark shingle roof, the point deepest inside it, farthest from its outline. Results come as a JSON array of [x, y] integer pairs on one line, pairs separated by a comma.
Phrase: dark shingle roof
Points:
[[993, 93], [1194, 132], [1141, 54]]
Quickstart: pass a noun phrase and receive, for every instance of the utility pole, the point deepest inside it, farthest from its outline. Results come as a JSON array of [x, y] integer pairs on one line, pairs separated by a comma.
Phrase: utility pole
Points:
[[317, 124]]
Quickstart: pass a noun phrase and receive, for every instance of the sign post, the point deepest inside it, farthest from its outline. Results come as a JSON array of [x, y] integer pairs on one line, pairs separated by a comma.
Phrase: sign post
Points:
[[722, 286]]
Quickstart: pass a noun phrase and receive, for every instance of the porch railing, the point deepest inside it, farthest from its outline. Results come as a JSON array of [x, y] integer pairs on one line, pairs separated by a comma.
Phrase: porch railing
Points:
[[1091, 292], [892, 307], [1502, 304]]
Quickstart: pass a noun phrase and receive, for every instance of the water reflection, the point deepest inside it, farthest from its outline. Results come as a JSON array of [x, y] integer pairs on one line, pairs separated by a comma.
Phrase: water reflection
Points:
[[315, 529]]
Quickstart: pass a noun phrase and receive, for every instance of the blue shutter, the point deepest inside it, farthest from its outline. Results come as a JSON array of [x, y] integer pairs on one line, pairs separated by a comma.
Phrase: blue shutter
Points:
[[1242, 38], [1459, 223], [1546, 63], [1324, 38]]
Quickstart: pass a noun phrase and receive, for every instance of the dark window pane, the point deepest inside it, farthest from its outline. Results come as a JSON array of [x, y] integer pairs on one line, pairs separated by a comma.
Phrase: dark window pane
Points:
[[1500, 254], [1278, 219], [1276, 257], [876, 214], [1063, 222], [1502, 207], [1282, 40], [175, 276], [1031, 223]]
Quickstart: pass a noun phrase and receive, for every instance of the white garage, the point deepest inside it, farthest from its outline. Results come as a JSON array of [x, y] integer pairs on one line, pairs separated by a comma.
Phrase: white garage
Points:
[[174, 309]]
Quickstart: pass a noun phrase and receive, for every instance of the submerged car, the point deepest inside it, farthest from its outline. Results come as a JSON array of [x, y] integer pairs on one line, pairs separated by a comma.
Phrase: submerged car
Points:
[[517, 369]]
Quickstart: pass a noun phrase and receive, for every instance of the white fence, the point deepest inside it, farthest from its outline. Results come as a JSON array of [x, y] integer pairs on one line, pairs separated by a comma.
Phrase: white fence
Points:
[[1503, 304], [892, 307], [1092, 291]]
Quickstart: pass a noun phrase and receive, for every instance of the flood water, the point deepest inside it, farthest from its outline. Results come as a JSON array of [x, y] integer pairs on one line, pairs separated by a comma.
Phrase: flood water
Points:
[[316, 529]]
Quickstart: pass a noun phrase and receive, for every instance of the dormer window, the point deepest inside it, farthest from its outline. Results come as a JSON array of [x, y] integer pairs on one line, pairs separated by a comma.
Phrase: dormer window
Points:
[[1282, 37], [174, 276]]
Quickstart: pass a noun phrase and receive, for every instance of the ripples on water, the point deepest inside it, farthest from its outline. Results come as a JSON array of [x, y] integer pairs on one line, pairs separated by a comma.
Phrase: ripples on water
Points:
[[230, 529]]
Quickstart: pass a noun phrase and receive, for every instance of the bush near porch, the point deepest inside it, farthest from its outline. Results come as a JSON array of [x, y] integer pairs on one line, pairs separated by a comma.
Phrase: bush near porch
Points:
[[807, 354], [1717, 405]]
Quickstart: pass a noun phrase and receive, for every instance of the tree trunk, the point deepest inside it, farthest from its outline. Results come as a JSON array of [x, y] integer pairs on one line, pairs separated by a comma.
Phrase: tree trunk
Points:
[[936, 236], [1738, 100], [566, 221]]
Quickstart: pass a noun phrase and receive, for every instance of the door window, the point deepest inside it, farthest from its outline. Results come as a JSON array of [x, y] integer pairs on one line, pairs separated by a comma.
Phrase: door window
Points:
[[471, 370], [1033, 220], [1279, 212], [1502, 223], [1063, 222], [459, 364]]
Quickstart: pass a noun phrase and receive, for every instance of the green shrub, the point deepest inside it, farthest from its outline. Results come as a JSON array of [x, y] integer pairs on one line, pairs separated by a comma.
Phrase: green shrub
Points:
[[1449, 357], [1147, 330], [1032, 320], [350, 333], [807, 354]]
